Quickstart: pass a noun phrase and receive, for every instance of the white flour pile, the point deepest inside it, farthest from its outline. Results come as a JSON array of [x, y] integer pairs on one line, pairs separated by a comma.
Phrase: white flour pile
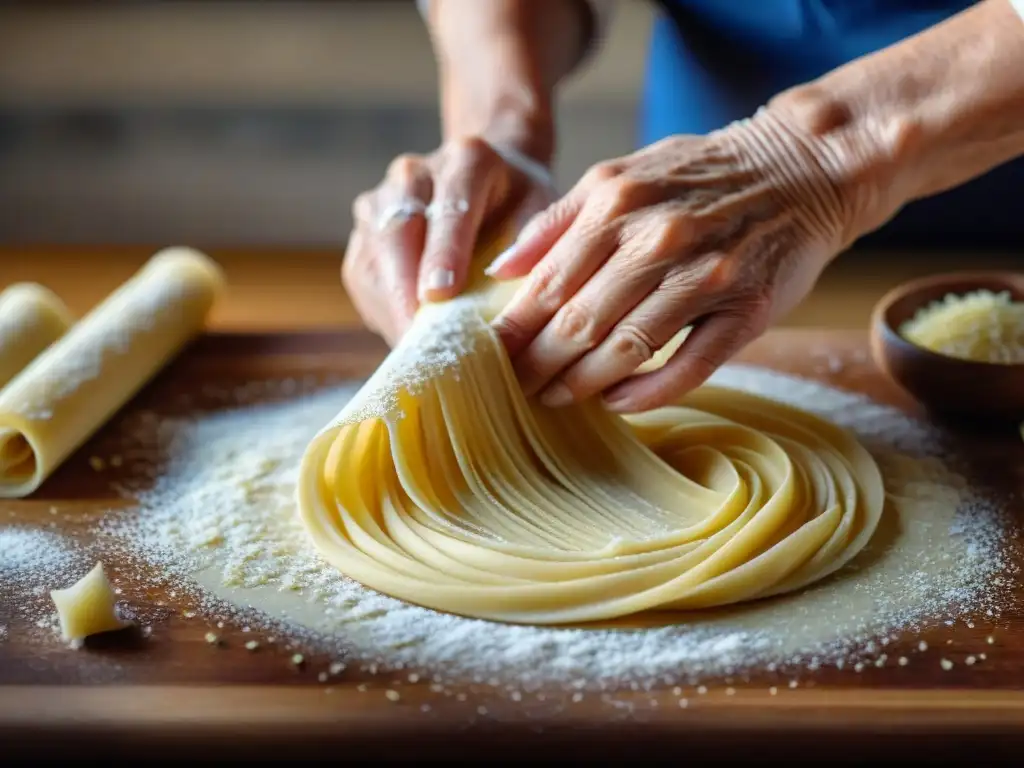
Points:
[[221, 514]]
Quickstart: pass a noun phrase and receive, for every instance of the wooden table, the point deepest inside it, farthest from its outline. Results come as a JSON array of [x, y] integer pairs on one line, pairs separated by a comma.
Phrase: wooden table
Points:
[[174, 699]]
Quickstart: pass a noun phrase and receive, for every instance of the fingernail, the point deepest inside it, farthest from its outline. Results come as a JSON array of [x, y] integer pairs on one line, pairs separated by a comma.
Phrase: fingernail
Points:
[[500, 260], [556, 396], [437, 280]]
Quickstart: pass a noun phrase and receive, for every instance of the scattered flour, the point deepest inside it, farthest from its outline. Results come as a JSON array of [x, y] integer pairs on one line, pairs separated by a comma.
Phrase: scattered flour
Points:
[[35, 556], [32, 562], [219, 518]]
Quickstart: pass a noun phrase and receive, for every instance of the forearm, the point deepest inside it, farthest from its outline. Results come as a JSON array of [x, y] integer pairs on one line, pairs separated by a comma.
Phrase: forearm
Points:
[[499, 63], [920, 117]]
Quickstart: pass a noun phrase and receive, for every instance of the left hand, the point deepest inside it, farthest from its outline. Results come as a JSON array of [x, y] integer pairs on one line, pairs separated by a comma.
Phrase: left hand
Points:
[[723, 233]]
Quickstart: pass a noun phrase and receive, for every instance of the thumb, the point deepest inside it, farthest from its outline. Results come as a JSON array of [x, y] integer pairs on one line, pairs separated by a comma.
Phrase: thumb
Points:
[[536, 239]]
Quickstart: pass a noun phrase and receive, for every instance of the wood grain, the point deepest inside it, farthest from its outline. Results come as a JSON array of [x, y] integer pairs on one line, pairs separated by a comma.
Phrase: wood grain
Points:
[[173, 694]]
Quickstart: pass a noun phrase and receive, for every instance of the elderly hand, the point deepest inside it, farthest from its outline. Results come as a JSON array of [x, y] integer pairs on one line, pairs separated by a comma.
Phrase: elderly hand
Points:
[[415, 234], [722, 233]]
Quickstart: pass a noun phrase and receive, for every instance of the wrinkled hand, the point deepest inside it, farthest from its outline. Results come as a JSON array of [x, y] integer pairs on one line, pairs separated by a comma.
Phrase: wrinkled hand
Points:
[[722, 234], [416, 232]]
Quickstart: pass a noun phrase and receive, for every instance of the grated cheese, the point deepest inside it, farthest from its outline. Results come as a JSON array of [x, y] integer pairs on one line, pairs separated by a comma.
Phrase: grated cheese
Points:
[[981, 325]]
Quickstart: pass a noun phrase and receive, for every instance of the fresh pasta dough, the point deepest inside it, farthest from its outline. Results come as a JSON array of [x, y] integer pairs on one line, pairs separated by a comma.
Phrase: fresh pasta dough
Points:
[[87, 607], [442, 485], [72, 388], [31, 319]]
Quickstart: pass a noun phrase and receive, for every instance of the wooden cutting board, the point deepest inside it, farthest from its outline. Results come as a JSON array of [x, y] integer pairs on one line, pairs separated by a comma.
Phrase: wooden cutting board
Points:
[[168, 696]]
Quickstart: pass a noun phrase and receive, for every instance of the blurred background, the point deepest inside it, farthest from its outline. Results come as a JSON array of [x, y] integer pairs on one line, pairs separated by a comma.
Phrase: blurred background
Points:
[[247, 128], [239, 122]]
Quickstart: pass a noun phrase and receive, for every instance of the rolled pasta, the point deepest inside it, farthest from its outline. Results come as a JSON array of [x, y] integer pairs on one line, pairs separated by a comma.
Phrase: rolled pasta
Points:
[[31, 319], [69, 391], [441, 484]]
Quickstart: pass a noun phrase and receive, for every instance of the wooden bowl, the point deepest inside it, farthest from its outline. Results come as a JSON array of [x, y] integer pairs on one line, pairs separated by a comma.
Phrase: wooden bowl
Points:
[[947, 386]]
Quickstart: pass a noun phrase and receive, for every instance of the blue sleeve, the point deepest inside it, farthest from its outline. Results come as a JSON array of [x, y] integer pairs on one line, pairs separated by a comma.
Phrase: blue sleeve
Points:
[[715, 61]]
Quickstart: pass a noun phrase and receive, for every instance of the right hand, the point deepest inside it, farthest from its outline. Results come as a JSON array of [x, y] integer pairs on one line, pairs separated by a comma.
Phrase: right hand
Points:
[[416, 232]]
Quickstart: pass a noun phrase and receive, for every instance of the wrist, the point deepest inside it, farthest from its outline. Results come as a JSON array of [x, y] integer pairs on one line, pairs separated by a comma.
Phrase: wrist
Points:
[[802, 175], [503, 110], [859, 154], [499, 65], [917, 118]]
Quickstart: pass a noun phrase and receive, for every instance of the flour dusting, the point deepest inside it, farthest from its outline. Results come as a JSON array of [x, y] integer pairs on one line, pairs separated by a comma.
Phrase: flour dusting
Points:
[[32, 562], [123, 320], [442, 336], [32, 555], [219, 519]]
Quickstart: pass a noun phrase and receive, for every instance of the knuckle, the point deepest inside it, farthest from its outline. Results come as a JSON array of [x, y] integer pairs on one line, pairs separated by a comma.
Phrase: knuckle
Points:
[[547, 286], [672, 232], [719, 272], [576, 324], [405, 167], [660, 238], [621, 193], [601, 173], [632, 344]]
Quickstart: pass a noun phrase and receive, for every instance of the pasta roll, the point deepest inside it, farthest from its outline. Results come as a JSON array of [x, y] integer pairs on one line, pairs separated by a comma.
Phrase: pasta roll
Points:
[[71, 389], [31, 319]]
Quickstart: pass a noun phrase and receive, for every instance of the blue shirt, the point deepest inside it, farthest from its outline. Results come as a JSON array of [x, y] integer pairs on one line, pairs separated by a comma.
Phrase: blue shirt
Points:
[[715, 61]]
